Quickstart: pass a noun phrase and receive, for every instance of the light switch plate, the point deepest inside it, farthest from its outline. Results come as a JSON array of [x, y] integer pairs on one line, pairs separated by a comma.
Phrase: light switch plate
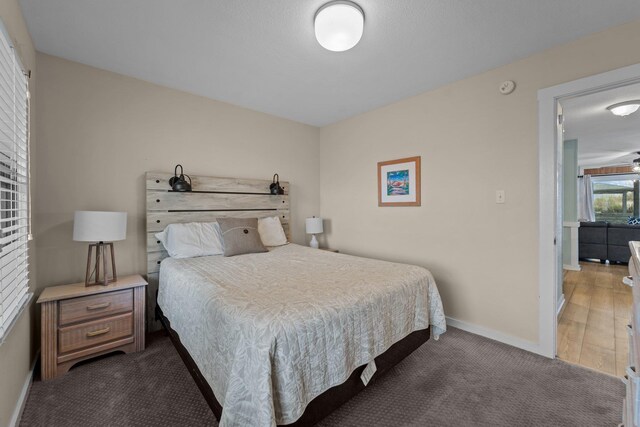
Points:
[[500, 196]]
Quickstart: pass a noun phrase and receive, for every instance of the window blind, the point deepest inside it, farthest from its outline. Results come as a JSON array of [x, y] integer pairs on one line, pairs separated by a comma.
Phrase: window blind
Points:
[[14, 184]]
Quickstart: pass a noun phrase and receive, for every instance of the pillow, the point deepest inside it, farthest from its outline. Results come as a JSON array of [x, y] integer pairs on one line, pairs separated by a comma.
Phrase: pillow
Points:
[[192, 240], [271, 232], [633, 221], [240, 236]]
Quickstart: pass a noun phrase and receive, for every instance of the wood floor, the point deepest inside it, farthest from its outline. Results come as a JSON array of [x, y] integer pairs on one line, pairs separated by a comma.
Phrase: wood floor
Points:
[[592, 326]]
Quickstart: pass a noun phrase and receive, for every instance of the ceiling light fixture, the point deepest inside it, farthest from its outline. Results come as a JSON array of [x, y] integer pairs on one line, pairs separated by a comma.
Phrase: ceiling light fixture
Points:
[[624, 108], [339, 25]]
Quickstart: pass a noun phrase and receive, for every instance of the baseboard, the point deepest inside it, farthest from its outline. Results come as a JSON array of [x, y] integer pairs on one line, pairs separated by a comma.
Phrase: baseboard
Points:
[[561, 305], [492, 334], [17, 412], [571, 267]]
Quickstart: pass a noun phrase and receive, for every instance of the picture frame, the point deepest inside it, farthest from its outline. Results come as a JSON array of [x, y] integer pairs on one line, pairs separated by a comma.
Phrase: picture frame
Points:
[[399, 182]]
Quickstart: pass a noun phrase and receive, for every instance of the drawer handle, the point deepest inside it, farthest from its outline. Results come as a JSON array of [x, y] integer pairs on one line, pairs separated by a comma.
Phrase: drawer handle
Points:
[[98, 306], [98, 332]]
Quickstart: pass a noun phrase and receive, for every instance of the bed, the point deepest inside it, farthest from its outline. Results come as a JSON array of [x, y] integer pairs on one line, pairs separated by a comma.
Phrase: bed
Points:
[[284, 337]]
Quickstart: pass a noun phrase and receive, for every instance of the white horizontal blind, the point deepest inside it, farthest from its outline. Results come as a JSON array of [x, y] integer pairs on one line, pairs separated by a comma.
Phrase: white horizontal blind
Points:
[[14, 212]]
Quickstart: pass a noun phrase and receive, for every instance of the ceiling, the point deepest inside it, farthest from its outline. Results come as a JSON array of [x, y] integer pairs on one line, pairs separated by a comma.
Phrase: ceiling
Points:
[[603, 139], [263, 54]]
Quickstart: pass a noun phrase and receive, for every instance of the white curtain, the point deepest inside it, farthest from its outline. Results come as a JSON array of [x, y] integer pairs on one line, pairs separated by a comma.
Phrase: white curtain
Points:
[[585, 199]]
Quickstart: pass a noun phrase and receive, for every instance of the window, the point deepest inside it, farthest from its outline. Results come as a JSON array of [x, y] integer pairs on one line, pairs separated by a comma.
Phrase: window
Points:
[[14, 180], [615, 197]]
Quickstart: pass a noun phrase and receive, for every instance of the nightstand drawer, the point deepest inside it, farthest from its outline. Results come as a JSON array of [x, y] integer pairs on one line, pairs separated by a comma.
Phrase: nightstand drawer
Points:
[[76, 337], [95, 306]]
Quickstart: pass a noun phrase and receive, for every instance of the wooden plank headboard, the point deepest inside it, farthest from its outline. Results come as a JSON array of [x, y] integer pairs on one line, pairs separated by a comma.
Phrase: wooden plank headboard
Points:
[[210, 199]]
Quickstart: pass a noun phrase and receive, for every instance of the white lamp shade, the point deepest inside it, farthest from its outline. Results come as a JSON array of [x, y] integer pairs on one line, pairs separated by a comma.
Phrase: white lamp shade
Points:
[[313, 225], [339, 25], [94, 226]]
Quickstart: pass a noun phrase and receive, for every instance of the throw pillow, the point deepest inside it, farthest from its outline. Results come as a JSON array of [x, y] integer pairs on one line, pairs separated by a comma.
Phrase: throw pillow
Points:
[[633, 221], [271, 231], [240, 236]]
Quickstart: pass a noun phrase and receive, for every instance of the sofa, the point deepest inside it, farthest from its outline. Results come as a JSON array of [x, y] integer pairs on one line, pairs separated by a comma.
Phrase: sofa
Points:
[[618, 238], [592, 240], [606, 241]]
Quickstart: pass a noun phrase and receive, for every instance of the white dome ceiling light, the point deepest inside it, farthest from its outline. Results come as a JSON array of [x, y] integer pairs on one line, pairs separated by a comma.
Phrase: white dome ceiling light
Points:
[[624, 108], [339, 25]]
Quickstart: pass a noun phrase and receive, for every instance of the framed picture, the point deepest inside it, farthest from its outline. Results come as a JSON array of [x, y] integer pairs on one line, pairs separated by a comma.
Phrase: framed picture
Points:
[[399, 182]]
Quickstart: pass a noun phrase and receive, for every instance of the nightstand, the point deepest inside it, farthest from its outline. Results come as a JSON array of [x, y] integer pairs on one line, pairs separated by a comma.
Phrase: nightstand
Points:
[[80, 322]]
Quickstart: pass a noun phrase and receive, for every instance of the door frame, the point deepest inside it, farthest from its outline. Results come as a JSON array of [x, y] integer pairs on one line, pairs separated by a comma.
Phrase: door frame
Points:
[[549, 180]]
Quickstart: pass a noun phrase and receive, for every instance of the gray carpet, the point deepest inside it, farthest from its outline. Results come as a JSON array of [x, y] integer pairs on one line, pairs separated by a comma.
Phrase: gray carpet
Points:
[[461, 380]]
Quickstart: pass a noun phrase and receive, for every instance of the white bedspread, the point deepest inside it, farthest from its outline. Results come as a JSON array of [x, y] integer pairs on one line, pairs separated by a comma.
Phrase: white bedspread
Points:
[[272, 331]]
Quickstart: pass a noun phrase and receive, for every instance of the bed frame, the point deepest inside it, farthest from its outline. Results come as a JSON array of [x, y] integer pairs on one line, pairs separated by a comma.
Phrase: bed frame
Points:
[[214, 198]]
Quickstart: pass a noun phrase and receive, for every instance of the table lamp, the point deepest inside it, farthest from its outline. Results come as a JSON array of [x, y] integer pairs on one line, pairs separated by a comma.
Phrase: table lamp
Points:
[[100, 228], [313, 226]]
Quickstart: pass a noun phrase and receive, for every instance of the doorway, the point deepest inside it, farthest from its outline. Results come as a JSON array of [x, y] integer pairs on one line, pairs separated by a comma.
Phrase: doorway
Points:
[[601, 195], [550, 191]]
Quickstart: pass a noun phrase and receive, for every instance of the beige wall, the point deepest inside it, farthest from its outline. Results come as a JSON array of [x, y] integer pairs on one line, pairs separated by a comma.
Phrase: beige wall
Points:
[[473, 141], [101, 131], [17, 352]]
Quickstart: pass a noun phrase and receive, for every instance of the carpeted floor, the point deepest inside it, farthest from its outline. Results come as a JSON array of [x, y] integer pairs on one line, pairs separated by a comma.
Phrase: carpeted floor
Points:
[[461, 380]]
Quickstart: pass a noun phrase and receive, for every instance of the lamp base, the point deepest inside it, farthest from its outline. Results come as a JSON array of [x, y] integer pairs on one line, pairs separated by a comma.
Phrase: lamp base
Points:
[[101, 252], [314, 243]]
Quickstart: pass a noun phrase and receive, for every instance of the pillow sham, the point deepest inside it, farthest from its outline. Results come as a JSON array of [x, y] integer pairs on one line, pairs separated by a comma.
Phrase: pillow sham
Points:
[[193, 239], [271, 231], [240, 236]]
